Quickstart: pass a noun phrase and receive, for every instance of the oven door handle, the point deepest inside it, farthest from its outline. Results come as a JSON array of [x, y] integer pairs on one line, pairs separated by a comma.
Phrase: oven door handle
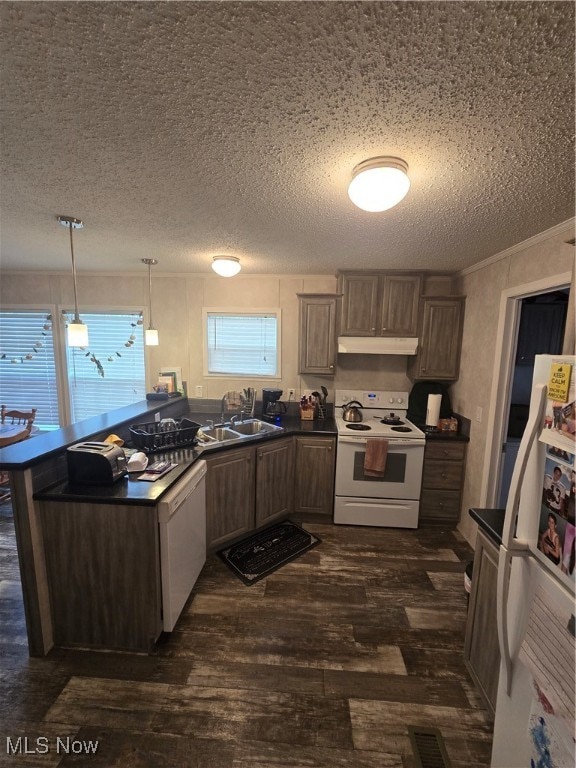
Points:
[[393, 442]]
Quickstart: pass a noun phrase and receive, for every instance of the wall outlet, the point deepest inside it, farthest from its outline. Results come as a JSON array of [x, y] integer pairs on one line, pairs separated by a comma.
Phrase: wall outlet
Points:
[[291, 393], [199, 390], [479, 414]]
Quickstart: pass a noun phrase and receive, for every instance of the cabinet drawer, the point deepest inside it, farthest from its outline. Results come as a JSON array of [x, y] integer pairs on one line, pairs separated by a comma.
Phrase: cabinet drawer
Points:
[[440, 505], [445, 450], [442, 474]]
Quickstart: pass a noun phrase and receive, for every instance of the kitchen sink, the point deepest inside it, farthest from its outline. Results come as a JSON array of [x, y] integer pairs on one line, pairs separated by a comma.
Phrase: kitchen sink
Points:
[[254, 427], [220, 433], [212, 437]]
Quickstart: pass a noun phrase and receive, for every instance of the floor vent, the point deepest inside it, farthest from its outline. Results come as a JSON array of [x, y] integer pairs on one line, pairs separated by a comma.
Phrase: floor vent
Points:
[[428, 747]]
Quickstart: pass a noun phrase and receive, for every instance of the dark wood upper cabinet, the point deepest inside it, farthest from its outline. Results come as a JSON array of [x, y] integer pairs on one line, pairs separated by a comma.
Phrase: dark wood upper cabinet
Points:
[[440, 339], [317, 333], [379, 303]]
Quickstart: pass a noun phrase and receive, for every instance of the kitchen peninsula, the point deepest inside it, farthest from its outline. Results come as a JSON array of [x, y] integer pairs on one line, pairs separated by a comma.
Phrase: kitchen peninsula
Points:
[[39, 477]]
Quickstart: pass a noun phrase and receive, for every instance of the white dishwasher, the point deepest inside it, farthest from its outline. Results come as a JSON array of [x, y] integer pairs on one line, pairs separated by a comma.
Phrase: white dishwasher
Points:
[[182, 524]]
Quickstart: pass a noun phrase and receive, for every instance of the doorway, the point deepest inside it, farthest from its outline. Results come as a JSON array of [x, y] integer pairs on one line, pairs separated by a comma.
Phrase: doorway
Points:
[[541, 326], [507, 333]]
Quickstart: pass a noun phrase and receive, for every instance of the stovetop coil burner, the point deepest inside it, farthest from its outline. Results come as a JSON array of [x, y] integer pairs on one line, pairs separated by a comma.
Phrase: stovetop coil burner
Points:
[[401, 429], [358, 427]]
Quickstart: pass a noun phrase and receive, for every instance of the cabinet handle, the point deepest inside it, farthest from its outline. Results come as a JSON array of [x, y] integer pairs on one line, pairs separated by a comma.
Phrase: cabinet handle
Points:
[[331, 367], [444, 475], [446, 453], [383, 329], [373, 329]]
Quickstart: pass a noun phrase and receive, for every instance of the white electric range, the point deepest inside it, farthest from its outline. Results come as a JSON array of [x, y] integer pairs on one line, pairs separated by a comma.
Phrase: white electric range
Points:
[[391, 499]]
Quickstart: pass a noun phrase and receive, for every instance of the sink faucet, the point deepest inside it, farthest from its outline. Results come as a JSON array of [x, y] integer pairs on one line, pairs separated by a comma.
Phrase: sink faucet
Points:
[[222, 408], [235, 418]]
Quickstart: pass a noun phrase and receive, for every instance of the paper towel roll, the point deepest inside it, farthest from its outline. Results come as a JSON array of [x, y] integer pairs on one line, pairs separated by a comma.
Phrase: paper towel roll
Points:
[[433, 410]]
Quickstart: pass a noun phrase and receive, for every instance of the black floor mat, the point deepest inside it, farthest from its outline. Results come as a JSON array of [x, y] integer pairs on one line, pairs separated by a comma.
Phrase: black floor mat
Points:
[[262, 553]]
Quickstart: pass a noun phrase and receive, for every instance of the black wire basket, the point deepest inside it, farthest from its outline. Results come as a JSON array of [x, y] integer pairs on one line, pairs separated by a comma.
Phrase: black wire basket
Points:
[[157, 436]]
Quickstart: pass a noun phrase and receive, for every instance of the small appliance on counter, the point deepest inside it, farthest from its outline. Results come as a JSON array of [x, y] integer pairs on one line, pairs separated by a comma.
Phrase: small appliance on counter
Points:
[[272, 407], [94, 463]]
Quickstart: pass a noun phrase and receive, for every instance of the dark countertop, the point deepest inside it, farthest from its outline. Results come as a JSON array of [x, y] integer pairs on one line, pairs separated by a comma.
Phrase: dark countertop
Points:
[[452, 437], [491, 522], [45, 444], [461, 436], [130, 490]]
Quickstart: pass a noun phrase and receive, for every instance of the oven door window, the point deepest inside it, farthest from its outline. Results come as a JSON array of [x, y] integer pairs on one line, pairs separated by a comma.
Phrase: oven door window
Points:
[[395, 471]]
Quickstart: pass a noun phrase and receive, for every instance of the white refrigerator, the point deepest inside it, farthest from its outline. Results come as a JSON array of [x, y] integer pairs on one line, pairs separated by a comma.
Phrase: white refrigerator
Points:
[[534, 721]]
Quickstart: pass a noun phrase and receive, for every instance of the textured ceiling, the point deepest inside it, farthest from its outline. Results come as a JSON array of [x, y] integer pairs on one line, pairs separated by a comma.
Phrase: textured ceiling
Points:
[[179, 130]]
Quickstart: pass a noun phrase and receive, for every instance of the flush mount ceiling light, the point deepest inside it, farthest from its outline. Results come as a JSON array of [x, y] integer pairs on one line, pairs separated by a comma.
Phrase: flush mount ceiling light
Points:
[[379, 183], [151, 334], [77, 331], [226, 266]]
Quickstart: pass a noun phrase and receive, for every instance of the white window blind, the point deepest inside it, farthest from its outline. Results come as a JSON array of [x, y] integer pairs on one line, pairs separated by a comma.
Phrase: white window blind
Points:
[[27, 368], [124, 379], [242, 344]]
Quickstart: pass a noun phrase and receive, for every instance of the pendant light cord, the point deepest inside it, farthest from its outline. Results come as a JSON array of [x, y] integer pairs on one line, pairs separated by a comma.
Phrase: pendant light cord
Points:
[[150, 324], [76, 315]]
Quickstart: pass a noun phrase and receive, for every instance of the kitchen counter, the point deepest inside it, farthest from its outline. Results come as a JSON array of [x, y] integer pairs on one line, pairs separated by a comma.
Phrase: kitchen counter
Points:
[[42, 446], [491, 521], [130, 490], [38, 474]]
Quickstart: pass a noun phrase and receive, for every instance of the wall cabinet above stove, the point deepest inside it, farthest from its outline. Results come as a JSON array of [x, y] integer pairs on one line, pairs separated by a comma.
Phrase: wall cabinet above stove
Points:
[[379, 303]]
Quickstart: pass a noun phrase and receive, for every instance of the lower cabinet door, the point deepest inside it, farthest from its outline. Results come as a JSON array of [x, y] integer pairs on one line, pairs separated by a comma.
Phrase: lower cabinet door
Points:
[[314, 475], [274, 481], [229, 496], [481, 649]]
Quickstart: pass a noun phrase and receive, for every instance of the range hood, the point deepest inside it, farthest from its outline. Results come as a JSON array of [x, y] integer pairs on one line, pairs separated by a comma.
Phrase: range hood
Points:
[[377, 345]]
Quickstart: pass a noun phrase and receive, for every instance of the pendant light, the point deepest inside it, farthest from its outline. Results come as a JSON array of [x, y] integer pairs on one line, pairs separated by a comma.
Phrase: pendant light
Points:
[[151, 335], [77, 331], [379, 183], [226, 266]]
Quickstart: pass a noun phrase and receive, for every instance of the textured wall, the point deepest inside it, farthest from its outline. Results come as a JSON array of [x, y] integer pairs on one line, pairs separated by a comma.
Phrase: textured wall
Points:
[[177, 312], [483, 289]]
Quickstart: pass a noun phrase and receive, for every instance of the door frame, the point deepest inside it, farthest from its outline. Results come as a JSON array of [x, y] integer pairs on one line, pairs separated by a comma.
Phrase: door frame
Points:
[[506, 341]]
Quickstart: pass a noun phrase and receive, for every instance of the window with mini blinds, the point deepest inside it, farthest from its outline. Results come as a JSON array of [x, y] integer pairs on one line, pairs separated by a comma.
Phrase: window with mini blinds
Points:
[[108, 374], [239, 343]]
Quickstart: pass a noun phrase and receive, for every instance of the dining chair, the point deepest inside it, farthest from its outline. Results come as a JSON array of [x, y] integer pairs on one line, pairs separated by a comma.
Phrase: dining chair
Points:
[[13, 418]]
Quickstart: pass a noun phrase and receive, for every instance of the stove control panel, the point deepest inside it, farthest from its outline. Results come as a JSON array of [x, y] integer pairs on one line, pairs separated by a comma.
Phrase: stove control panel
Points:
[[373, 398]]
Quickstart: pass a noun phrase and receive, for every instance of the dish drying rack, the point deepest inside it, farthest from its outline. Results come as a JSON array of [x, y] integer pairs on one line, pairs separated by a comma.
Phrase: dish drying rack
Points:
[[161, 436], [237, 401]]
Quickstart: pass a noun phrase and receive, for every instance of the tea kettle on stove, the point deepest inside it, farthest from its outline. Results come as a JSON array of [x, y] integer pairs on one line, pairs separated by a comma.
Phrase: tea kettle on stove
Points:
[[352, 413]]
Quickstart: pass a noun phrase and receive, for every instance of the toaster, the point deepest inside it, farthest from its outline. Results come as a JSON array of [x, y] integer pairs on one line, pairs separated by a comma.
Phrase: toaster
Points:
[[94, 463]]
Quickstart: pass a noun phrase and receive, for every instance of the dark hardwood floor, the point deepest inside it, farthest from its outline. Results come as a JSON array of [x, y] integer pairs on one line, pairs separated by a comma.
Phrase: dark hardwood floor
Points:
[[324, 664]]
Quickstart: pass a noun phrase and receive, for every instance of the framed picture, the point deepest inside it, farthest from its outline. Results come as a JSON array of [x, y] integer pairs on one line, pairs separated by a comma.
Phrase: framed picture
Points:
[[176, 373], [167, 382]]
